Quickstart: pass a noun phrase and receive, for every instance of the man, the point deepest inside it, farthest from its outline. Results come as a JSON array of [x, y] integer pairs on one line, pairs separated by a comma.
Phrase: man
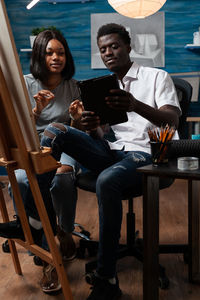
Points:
[[148, 96]]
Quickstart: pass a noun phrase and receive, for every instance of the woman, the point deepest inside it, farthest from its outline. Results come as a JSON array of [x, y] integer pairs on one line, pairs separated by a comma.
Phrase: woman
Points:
[[51, 89]]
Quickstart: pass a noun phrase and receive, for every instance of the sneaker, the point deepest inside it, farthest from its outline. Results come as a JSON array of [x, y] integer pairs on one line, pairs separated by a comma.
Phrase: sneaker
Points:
[[49, 282], [67, 244], [12, 229], [104, 290]]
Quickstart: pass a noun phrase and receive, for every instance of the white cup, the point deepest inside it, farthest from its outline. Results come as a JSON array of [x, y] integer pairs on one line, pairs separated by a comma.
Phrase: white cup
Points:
[[196, 38]]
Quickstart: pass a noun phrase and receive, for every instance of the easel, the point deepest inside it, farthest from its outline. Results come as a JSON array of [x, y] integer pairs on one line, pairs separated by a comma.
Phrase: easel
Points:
[[21, 149]]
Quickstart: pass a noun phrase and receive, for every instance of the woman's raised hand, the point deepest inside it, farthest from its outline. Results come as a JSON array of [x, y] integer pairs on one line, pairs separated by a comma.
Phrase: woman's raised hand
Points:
[[42, 99], [75, 110]]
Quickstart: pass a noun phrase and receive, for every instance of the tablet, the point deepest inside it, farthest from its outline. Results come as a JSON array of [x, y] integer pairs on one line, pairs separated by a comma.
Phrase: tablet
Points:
[[93, 92]]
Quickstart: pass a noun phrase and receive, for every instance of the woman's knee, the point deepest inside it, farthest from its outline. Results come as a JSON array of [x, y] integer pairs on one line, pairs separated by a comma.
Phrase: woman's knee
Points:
[[63, 182]]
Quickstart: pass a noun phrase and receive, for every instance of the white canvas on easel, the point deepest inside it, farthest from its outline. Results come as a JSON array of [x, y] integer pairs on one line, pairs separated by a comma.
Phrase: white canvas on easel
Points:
[[12, 71]]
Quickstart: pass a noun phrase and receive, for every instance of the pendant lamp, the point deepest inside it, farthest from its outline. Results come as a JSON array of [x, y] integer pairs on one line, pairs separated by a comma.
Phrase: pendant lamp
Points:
[[136, 8]]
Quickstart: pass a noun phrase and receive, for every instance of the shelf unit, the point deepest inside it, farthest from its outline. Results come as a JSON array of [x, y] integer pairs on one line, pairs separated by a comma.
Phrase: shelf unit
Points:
[[193, 47], [26, 50]]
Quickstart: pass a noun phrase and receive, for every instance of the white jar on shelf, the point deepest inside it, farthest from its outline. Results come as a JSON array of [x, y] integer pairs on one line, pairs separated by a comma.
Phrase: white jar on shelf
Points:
[[196, 38], [32, 38]]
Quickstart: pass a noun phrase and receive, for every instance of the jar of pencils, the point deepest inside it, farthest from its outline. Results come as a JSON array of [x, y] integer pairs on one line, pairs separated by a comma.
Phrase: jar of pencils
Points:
[[160, 141], [159, 152]]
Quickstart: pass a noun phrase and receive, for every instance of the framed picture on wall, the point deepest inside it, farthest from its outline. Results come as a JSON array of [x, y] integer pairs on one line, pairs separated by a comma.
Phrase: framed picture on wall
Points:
[[147, 38]]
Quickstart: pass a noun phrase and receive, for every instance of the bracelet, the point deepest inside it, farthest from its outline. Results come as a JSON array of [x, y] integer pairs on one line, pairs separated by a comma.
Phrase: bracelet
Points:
[[35, 114]]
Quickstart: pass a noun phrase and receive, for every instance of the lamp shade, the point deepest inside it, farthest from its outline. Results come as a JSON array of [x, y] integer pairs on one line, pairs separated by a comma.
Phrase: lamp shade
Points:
[[136, 8]]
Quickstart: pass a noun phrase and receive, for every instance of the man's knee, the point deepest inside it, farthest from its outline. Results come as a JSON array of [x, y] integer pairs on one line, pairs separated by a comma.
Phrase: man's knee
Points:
[[64, 169], [103, 181], [53, 129]]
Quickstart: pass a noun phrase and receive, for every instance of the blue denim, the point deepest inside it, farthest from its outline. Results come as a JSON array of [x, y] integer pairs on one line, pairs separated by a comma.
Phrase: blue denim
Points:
[[116, 172], [62, 184]]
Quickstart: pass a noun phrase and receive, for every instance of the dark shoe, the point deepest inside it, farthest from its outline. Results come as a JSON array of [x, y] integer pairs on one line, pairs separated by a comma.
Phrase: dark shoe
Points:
[[12, 229], [2, 185], [67, 245], [49, 282], [104, 290], [37, 260], [6, 247]]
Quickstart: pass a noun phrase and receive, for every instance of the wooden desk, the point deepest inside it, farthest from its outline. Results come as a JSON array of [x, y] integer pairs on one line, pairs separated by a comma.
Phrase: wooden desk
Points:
[[151, 176]]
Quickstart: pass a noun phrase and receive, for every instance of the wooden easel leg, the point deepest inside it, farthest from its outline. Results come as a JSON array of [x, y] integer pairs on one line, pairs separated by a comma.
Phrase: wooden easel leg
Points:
[[11, 243], [19, 203], [15, 257], [56, 257]]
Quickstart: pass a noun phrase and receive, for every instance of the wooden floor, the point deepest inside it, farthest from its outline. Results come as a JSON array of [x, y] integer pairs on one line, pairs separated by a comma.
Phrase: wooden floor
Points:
[[173, 229]]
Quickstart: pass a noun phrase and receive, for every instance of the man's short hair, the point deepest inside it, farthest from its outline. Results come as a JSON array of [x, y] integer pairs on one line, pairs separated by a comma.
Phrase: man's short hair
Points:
[[114, 28]]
